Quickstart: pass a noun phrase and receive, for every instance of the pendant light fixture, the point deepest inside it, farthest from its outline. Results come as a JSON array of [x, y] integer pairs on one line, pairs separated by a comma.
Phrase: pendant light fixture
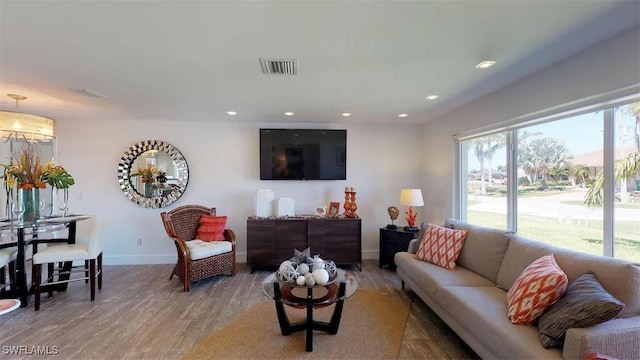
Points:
[[21, 125]]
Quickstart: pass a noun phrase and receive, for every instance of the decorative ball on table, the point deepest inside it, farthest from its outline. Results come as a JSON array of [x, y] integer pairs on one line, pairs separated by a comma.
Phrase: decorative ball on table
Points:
[[301, 280], [303, 268], [331, 268], [309, 279], [288, 272], [321, 276]]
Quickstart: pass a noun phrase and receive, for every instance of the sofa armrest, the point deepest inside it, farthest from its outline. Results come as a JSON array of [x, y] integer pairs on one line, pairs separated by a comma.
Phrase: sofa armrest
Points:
[[413, 246], [618, 338]]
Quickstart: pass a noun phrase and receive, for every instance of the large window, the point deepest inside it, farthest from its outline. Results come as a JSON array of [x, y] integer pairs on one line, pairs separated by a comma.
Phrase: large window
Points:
[[573, 182], [486, 183]]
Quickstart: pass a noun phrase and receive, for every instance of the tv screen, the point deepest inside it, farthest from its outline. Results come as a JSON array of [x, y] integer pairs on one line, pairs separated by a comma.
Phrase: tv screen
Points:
[[303, 154]]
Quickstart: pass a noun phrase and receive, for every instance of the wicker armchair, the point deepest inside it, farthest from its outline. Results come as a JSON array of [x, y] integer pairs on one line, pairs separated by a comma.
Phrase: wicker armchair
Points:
[[181, 225]]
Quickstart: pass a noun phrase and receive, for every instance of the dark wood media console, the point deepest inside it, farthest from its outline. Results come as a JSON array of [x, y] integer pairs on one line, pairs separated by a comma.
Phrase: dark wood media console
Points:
[[271, 241]]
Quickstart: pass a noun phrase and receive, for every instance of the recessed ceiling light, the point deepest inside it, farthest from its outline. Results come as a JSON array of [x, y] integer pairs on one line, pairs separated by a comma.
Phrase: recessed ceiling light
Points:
[[232, 113], [403, 115], [432, 97], [346, 114], [289, 113], [485, 64]]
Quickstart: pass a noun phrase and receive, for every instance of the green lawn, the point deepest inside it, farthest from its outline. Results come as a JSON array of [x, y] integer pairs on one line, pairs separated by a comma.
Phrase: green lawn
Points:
[[587, 238]]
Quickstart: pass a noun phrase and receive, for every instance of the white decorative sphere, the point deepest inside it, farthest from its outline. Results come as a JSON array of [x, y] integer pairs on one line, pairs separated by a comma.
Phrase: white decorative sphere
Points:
[[285, 265], [301, 280], [321, 276], [309, 279], [331, 268], [303, 268], [288, 272]]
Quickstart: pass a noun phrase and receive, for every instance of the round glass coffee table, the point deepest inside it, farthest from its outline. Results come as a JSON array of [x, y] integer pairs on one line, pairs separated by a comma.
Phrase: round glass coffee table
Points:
[[309, 298]]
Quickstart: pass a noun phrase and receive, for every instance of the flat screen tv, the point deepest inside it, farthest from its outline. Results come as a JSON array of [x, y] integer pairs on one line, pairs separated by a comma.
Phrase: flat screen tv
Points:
[[303, 154]]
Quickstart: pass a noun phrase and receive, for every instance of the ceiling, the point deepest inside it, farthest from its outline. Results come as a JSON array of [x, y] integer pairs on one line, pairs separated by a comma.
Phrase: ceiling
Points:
[[196, 60]]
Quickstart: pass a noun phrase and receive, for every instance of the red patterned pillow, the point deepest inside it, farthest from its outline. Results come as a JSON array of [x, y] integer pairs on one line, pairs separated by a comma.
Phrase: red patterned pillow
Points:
[[539, 286], [211, 228], [441, 246]]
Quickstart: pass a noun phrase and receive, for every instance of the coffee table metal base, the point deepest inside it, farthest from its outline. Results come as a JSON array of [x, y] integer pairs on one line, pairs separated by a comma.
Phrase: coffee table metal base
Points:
[[309, 324]]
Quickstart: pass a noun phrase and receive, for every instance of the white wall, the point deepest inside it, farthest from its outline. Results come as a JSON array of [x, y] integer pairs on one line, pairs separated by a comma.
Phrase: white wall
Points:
[[604, 68], [224, 173]]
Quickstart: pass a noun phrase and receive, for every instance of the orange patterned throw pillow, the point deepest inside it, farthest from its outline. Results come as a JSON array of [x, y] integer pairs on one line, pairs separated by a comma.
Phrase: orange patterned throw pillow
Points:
[[441, 246], [211, 228], [539, 286]]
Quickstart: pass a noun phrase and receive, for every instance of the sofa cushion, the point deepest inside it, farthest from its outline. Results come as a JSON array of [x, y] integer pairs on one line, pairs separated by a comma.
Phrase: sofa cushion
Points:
[[584, 304], [481, 310], [441, 246], [418, 238], [619, 277], [430, 277], [483, 248], [520, 253], [540, 285]]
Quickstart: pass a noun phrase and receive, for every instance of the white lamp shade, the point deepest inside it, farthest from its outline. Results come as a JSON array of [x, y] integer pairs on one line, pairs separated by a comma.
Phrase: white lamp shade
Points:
[[411, 197], [30, 126]]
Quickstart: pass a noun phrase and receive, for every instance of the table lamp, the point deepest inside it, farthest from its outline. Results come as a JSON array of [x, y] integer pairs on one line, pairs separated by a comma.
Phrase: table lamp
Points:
[[411, 198]]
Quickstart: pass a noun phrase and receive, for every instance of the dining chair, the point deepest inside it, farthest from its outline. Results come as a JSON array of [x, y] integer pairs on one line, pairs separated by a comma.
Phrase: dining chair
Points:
[[87, 247], [83, 234], [8, 258], [198, 259]]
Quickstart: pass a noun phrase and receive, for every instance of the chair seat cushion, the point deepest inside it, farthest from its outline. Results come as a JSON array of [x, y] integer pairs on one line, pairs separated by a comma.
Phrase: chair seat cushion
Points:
[[8, 255], [202, 249], [63, 252]]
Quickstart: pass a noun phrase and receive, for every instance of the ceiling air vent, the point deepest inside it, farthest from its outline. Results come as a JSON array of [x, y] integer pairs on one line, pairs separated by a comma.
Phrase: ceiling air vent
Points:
[[91, 93], [279, 66]]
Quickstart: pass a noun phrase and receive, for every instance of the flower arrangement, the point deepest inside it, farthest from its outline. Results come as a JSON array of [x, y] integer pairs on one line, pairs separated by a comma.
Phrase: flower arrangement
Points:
[[147, 173], [27, 172]]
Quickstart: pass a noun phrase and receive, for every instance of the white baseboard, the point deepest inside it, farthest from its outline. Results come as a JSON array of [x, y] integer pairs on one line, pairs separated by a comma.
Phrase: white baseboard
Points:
[[171, 258]]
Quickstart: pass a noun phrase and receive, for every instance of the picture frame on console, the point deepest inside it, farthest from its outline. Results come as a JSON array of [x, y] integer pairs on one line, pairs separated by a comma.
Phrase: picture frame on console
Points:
[[334, 208]]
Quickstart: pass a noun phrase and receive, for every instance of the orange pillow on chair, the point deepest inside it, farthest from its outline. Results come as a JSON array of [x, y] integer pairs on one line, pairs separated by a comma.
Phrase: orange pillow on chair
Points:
[[211, 228]]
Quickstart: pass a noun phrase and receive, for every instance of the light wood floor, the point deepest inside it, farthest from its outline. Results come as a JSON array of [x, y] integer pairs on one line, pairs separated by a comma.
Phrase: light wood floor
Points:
[[141, 314]]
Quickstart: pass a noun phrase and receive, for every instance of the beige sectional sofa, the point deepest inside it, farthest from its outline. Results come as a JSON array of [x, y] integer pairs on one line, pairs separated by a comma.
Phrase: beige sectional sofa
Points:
[[472, 299]]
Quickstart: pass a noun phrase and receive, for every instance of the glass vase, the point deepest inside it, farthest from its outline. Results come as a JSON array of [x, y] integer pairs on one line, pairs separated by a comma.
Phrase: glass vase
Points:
[[148, 189], [62, 196], [31, 203]]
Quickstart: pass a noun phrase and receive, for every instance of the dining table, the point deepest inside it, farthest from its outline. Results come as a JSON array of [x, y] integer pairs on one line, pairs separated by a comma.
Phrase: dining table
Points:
[[22, 234]]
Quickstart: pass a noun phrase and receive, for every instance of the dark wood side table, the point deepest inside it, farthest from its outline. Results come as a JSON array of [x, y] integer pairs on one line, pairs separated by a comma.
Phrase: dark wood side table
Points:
[[391, 242]]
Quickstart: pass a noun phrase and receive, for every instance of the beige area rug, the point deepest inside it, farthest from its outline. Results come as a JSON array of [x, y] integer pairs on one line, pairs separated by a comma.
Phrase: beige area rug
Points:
[[372, 327]]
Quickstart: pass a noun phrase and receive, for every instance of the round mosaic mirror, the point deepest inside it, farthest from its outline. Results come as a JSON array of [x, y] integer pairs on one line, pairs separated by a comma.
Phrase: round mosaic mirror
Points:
[[153, 174]]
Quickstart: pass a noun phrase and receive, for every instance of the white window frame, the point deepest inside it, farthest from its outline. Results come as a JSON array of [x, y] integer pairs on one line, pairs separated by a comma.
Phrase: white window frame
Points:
[[510, 127]]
